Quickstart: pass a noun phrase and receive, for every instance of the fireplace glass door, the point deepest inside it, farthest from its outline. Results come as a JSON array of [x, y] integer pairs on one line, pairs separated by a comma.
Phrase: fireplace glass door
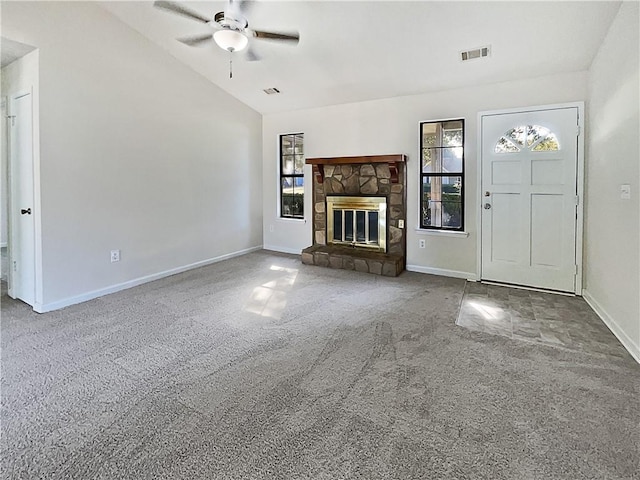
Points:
[[357, 221]]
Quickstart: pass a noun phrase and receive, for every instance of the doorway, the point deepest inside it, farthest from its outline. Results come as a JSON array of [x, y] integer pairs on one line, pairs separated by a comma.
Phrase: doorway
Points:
[[531, 185], [20, 192]]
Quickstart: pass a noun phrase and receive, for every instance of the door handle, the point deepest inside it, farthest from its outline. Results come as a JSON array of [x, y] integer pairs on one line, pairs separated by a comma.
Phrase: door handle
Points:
[[487, 206], [27, 211]]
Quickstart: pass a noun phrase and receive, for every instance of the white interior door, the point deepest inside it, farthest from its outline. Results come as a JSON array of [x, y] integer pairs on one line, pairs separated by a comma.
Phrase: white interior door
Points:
[[22, 228], [529, 198]]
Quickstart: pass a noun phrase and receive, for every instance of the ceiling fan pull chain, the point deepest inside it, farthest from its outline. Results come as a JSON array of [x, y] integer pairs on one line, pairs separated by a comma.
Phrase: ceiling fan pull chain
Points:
[[230, 65]]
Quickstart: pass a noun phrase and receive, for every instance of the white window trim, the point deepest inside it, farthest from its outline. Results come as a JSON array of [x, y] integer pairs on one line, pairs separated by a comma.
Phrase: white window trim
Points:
[[290, 219], [440, 233]]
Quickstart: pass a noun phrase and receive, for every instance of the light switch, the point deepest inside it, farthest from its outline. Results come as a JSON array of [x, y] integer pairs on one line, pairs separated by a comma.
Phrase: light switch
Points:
[[625, 191]]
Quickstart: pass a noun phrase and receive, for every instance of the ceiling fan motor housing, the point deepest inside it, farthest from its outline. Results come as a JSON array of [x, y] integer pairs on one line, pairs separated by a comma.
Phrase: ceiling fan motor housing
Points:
[[228, 22]]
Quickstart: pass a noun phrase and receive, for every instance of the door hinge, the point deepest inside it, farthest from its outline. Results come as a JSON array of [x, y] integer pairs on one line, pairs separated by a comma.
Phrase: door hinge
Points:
[[13, 120], [15, 266], [575, 269], [577, 199], [578, 129]]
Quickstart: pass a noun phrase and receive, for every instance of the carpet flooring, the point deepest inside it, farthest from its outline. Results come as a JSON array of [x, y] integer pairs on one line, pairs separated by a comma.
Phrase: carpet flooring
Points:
[[260, 367]]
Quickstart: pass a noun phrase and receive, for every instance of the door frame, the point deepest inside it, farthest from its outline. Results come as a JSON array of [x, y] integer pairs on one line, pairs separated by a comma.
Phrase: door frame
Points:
[[579, 182], [12, 201]]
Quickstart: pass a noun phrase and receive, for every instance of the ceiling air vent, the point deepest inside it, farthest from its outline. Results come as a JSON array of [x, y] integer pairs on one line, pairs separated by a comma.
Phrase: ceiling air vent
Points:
[[271, 91], [480, 52]]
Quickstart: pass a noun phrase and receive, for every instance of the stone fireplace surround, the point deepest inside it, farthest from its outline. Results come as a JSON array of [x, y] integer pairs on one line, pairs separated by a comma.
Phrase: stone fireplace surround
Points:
[[376, 175]]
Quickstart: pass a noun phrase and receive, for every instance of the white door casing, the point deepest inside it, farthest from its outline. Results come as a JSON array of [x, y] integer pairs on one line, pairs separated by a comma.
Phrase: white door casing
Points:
[[529, 198], [21, 180]]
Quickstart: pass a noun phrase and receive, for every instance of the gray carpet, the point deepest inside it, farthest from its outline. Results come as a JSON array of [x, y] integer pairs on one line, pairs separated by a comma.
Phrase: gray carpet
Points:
[[260, 367]]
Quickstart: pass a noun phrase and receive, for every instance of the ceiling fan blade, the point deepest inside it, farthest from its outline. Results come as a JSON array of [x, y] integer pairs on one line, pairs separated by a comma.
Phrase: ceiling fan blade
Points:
[[251, 55], [196, 40], [289, 37], [181, 10]]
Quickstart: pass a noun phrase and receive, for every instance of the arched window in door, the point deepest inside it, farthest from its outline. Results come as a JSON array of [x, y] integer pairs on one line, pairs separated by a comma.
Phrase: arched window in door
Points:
[[527, 137]]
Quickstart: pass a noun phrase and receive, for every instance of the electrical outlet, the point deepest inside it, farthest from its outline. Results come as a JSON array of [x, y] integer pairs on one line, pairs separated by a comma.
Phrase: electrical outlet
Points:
[[422, 243], [625, 191], [401, 223], [115, 256]]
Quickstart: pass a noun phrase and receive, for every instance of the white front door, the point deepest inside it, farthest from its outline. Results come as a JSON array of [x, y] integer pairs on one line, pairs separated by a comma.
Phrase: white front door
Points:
[[529, 198], [22, 235]]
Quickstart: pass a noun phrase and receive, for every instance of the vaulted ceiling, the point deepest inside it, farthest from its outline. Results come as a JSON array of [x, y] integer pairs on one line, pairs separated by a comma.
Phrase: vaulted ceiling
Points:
[[357, 51]]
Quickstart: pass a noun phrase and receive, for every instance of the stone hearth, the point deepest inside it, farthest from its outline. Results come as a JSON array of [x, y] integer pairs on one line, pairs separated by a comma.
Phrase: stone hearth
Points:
[[347, 258], [379, 175]]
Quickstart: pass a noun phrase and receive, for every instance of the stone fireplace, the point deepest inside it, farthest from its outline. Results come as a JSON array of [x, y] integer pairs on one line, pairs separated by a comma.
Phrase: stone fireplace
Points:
[[359, 214]]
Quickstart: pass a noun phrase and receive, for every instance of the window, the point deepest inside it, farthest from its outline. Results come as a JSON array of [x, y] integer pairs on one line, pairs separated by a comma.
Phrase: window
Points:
[[442, 175], [527, 137], [292, 175]]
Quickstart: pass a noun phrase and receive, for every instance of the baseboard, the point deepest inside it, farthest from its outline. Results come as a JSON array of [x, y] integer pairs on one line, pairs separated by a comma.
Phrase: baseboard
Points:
[[632, 347], [442, 272], [48, 307], [273, 248]]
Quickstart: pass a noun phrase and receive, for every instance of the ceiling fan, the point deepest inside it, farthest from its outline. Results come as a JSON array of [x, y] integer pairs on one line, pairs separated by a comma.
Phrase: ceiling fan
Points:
[[231, 28]]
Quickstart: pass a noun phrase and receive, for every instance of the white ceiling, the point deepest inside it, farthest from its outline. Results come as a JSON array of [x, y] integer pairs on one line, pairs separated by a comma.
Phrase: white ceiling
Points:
[[357, 51], [11, 51]]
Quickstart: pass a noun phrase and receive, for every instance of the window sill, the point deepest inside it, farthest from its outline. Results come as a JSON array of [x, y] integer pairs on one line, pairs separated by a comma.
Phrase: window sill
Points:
[[441, 233], [293, 220]]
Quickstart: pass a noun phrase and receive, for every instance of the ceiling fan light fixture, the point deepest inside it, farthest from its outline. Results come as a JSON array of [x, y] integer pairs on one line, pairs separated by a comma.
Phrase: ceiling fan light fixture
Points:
[[230, 40]]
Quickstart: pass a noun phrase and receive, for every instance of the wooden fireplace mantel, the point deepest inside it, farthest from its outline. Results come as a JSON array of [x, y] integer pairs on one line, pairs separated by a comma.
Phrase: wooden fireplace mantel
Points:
[[391, 160]]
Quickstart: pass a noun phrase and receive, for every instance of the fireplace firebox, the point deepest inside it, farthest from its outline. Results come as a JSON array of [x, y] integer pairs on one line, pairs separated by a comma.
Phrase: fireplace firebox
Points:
[[357, 221]]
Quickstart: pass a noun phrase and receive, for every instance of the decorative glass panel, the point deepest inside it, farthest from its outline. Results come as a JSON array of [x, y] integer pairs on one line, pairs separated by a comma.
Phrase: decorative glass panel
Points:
[[535, 133], [505, 146], [299, 164], [531, 137], [517, 135], [550, 142]]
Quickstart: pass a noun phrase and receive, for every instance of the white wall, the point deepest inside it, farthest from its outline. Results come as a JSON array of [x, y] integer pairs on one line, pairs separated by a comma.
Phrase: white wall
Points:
[[612, 247], [391, 126], [138, 153]]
